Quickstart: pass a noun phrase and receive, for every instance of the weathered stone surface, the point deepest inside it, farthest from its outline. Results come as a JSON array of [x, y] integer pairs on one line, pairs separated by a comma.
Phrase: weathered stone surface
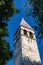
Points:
[[26, 49]]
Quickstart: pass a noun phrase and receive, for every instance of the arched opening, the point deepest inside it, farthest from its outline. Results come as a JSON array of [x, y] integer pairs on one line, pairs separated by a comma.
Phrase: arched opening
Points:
[[31, 35], [25, 32]]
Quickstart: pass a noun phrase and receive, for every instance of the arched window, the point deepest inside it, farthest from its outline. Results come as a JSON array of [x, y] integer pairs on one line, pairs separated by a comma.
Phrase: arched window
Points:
[[25, 32], [31, 34]]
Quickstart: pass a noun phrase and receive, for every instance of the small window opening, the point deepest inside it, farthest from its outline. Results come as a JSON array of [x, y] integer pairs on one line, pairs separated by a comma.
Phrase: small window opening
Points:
[[31, 34], [25, 32]]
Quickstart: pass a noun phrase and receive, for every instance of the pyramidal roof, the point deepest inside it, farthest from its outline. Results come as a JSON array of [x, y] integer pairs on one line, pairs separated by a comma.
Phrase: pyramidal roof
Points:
[[25, 24]]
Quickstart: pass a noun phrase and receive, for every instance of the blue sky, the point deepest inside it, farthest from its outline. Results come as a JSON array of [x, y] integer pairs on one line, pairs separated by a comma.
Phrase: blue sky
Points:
[[13, 25]]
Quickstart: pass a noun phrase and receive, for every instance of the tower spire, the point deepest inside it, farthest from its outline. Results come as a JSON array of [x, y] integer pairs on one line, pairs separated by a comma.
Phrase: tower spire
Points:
[[25, 24]]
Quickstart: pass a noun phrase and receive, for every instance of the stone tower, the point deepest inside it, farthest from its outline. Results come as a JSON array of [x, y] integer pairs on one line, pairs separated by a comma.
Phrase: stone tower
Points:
[[25, 46]]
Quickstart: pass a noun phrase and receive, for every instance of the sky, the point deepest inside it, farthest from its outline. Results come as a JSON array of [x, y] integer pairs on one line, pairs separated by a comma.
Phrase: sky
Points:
[[13, 24]]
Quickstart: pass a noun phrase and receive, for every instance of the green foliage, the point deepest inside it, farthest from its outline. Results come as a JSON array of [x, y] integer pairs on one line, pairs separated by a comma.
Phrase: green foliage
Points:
[[7, 9], [37, 13], [5, 53]]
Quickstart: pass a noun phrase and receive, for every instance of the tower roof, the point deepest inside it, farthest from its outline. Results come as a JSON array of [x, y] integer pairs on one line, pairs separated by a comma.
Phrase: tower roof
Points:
[[25, 24]]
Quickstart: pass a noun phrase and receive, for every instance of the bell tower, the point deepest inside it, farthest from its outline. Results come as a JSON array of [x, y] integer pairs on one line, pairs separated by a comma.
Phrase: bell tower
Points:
[[25, 46]]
